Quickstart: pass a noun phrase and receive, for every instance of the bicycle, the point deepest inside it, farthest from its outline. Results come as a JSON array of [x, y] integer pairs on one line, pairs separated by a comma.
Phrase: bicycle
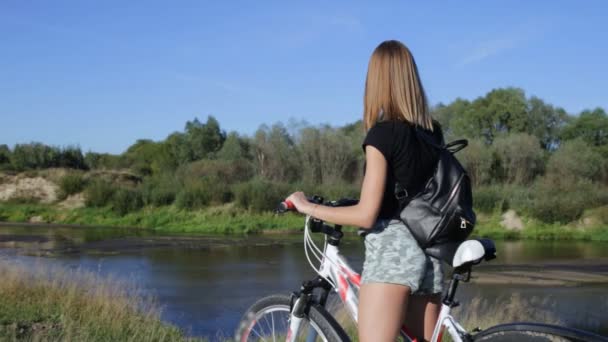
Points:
[[303, 317]]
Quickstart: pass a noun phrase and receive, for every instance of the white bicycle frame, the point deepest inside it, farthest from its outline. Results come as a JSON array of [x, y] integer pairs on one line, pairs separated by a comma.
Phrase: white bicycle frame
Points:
[[346, 282]]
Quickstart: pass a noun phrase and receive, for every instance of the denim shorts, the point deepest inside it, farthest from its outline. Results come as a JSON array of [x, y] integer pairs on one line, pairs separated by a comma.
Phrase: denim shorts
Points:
[[392, 255]]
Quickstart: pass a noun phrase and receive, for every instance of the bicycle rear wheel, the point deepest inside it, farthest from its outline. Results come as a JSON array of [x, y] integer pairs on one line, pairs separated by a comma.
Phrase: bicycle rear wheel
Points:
[[268, 320], [536, 332]]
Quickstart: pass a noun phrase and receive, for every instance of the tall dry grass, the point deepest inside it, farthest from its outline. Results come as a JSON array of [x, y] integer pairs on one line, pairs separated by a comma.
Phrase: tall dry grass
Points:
[[41, 303]]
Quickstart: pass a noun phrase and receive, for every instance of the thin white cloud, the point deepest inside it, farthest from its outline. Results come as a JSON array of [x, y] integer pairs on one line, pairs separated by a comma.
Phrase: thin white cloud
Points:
[[507, 41], [490, 48]]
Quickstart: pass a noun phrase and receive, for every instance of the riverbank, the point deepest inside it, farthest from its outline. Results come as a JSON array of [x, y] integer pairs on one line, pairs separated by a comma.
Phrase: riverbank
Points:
[[228, 219], [56, 304]]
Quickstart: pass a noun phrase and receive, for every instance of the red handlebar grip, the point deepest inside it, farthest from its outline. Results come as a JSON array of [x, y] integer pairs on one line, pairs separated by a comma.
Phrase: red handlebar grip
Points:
[[285, 206], [289, 205]]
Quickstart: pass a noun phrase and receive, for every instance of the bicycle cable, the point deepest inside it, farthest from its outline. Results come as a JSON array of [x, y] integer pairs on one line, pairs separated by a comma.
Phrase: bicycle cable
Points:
[[309, 244]]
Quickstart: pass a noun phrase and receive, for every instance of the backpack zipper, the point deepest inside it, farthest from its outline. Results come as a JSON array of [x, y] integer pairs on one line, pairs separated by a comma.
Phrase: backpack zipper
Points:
[[463, 222], [452, 194]]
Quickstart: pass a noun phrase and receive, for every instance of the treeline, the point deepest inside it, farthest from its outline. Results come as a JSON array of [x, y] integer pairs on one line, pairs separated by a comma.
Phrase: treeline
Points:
[[523, 154]]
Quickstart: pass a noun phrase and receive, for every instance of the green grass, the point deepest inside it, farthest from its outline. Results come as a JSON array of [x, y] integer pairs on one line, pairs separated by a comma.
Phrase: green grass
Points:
[[489, 227], [55, 304], [215, 220], [229, 219]]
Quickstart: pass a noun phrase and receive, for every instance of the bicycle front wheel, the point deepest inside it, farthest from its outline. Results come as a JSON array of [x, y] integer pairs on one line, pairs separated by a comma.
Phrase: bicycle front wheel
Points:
[[536, 332], [268, 320]]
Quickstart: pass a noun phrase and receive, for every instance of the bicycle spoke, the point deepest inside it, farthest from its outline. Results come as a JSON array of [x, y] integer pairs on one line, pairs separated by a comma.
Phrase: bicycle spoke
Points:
[[260, 336], [267, 325], [274, 339]]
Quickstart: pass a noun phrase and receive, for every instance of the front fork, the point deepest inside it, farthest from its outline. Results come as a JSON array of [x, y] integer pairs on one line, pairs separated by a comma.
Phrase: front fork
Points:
[[300, 306]]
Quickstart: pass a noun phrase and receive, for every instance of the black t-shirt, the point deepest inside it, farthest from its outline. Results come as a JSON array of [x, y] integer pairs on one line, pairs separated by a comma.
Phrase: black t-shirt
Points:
[[411, 160]]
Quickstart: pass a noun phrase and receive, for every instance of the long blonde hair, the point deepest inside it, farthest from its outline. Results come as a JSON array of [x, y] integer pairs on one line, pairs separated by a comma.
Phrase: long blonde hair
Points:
[[393, 90]]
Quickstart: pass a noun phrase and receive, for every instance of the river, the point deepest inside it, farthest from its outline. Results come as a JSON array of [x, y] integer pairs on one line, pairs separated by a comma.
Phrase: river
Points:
[[205, 283]]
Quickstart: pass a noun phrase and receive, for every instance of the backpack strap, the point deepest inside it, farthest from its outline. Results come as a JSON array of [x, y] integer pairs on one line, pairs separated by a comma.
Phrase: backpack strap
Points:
[[401, 193], [453, 146], [428, 139], [457, 145]]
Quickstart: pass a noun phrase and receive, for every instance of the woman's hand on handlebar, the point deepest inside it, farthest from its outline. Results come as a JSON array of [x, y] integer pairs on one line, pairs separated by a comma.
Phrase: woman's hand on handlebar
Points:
[[301, 203]]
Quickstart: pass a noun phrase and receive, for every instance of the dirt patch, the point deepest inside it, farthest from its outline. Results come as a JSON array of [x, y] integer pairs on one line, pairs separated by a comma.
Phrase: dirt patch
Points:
[[36, 219], [512, 221], [73, 202], [35, 188]]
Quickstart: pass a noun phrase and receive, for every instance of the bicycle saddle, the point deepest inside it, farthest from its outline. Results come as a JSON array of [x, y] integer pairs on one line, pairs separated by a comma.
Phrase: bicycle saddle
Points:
[[471, 252]]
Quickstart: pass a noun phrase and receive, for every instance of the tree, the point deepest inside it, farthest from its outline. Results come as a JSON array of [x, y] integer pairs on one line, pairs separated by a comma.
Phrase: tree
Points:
[[309, 147], [276, 157], [141, 155], [449, 115], [204, 139], [354, 135], [326, 154], [178, 147], [545, 122], [478, 159], [519, 156], [72, 157], [34, 156], [95, 160], [5, 155], [234, 148], [500, 111], [335, 156], [575, 159], [591, 126]]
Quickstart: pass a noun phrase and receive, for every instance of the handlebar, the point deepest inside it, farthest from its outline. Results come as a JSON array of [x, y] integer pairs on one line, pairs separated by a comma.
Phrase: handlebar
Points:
[[286, 206]]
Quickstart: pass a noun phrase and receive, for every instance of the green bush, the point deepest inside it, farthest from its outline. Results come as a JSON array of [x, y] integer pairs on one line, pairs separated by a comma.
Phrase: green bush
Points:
[[479, 161], [41, 156], [500, 198], [218, 191], [99, 193], [159, 191], [260, 195], [70, 184], [563, 200], [229, 171], [194, 197], [519, 158], [126, 200], [576, 159], [518, 198], [488, 199]]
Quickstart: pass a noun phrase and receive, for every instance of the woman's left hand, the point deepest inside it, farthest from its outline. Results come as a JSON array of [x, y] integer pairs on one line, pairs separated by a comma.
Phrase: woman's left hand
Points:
[[300, 201]]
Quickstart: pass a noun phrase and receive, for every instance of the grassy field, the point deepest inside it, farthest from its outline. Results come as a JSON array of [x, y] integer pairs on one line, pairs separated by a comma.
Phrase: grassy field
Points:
[[228, 219], [215, 220], [42, 304]]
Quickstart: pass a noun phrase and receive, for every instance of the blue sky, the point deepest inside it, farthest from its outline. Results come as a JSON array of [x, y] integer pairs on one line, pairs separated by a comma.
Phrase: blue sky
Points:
[[103, 74]]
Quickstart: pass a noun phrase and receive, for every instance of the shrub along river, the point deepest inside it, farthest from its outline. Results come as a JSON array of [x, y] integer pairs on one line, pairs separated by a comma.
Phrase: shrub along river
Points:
[[205, 283]]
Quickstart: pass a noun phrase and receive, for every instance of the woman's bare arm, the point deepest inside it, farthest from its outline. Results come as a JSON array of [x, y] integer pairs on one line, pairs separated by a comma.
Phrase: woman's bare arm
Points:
[[363, 214]]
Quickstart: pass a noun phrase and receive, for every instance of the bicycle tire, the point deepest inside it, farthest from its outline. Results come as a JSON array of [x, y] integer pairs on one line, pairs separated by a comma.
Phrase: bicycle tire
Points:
[[536, 332], [318, 318]]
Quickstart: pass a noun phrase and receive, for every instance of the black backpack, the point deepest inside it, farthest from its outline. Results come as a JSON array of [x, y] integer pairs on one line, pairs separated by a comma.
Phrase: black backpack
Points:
[[441, 215]]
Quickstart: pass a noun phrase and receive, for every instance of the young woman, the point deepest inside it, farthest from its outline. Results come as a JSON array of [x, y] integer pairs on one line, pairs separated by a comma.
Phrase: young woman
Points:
[[399, 282]]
